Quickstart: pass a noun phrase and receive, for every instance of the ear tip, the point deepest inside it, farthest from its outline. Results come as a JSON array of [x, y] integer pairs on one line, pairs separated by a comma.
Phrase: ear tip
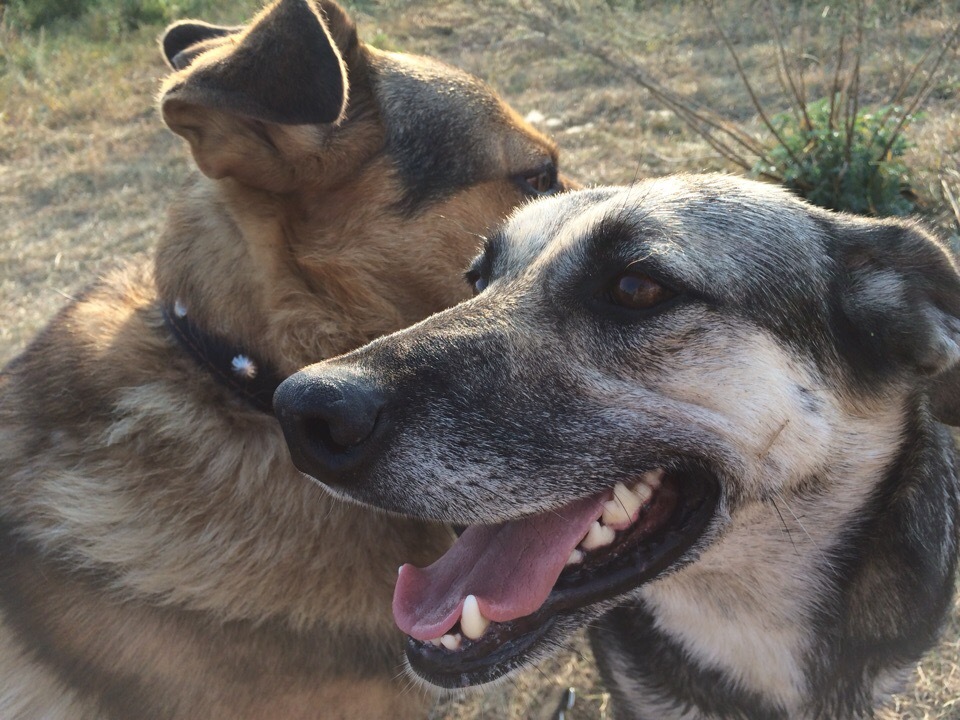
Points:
[[182, 35]]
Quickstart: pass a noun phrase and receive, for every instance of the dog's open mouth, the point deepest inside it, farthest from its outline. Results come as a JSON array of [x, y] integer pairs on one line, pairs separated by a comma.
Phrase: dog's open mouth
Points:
[[484, 604]]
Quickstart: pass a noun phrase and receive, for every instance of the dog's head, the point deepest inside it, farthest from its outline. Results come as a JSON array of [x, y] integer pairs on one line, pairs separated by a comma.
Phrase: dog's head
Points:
[[640, 366], [361, 176]]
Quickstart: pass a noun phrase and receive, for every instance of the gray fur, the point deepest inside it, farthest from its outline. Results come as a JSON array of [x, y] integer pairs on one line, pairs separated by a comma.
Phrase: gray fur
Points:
[[791, 364]]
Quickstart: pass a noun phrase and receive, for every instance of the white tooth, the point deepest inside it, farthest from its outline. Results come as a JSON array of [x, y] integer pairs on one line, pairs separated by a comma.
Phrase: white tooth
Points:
[[451, 642], [626, 497], [472, 621], [653, 478], [435, 642], [642, 492], [627, 501], [576, 557], [615, 514], [598, 536]]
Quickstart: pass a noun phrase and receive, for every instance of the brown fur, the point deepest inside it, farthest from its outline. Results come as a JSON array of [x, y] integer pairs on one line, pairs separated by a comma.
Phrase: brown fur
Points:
[[162, 558]]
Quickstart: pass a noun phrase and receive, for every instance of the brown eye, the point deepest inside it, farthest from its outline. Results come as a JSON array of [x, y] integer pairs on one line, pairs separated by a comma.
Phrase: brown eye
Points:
[[636, 291], [539, 182]]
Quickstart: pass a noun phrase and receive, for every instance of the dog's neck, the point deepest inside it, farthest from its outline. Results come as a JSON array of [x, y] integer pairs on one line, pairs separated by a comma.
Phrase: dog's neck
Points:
[[249, 377]]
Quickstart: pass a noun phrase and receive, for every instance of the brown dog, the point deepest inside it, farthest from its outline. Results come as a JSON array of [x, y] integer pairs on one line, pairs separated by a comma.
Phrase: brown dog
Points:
[[161, 556]]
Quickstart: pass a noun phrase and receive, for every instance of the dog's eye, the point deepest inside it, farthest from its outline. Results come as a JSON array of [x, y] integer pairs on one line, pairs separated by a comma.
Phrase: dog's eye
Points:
[[476, 281], [539, 182], [636, 291]]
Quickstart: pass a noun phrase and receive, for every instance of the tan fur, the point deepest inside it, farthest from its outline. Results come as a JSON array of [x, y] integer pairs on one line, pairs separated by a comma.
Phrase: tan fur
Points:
[[163, 557]]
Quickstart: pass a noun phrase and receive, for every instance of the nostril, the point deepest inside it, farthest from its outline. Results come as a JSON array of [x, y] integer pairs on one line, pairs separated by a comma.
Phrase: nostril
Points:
[[332, 420], [316, 432], [337, 432]]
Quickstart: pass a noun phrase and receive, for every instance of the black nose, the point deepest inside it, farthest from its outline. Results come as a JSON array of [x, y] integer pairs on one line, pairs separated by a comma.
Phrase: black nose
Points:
[[330, 418]]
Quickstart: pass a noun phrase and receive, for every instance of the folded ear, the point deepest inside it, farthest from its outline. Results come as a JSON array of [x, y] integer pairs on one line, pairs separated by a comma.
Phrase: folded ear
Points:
[[901, 295], [185, 40], [240, 93]]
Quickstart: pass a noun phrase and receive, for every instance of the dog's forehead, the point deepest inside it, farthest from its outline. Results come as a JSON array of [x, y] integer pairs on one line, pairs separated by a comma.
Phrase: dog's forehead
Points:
[[709, 230], [551, 224], [447, 129]]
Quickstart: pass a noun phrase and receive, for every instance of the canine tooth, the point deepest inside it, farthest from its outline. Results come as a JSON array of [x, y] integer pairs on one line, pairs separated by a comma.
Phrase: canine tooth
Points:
[[598, 536], [615, 514], [451, 642], [472, 621], [620, 510], [436, 642], [642, 492], [576, 557]]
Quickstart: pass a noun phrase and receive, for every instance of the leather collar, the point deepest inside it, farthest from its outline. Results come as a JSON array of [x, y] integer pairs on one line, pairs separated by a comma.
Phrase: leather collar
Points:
[[252, 379]]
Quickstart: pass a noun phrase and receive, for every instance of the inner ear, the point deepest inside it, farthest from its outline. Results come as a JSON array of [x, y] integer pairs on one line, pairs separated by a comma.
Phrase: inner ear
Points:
[[256, 104], [285, 68], [184, 40]]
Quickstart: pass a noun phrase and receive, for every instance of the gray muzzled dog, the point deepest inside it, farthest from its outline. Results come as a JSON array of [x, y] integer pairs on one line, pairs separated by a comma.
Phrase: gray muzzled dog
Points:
[[691, 414]]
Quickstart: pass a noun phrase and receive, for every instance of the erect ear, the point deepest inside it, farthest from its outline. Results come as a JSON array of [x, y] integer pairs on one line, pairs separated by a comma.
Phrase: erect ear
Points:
[[185, 40], [237, 99], [901, 293]]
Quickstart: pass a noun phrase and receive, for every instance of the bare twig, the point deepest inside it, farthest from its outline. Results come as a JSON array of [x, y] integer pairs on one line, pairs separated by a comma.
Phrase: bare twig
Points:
[[746, 82], [853, 96], [925, 89], [784, 75], [952, 199], [800, 74], [835, 87], [702, 122], [908, 78], [722, 135]]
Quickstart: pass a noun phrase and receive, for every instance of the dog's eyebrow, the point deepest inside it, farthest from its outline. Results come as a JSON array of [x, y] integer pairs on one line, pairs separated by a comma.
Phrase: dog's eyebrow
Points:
[[483, 263], [492, 246]]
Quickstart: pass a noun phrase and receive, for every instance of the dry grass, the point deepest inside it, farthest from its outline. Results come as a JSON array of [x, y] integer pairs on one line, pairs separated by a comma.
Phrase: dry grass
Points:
[[86, 170]]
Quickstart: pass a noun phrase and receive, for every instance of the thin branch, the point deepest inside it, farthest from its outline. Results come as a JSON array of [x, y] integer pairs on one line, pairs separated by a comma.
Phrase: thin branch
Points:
[[951, 198], [853, 97], [835, 89], [746, 83], [701, 123], [783, 69], [906, 80], [704, 122], [924, 91], [800, 56]]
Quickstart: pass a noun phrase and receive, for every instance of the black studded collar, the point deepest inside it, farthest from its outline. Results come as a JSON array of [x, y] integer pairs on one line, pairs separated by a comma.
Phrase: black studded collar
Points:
[[250, 378]]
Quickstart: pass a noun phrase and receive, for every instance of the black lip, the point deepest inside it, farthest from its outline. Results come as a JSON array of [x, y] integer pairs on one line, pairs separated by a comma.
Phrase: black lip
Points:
[[483, 661], [508, 646]]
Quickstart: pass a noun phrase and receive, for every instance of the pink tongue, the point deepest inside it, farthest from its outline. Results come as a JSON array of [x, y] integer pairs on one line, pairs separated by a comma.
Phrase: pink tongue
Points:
[[510, 568]]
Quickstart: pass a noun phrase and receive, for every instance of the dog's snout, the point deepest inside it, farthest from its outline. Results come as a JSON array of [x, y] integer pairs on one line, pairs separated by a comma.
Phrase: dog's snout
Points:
[[329, 421]]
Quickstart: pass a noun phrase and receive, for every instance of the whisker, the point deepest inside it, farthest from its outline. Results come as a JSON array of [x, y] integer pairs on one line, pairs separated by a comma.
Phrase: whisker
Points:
[[783, 522], [801, 526]]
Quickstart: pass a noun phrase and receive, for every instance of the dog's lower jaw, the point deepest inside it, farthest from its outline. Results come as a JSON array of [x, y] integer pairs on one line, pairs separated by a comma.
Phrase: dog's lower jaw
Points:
[[665, 534], [810, 643]]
